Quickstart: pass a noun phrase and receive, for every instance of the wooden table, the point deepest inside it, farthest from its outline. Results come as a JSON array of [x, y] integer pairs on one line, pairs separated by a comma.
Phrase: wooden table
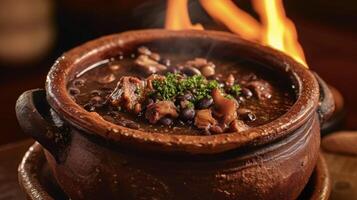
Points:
[[10, 157], [343, 170]]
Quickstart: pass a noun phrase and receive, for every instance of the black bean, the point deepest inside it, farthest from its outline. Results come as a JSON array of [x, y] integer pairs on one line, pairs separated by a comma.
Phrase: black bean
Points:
[[166, 121], [187, 114], [191, 71], [205, 103], [173, 70], [73, 91], [247, 92], [186, 96], [251, 117]]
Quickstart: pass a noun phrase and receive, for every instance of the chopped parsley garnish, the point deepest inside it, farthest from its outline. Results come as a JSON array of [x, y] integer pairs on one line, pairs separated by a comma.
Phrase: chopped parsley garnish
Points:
[[190, 105], [175, 84], [228, 96], [167, 88], [235, 90]]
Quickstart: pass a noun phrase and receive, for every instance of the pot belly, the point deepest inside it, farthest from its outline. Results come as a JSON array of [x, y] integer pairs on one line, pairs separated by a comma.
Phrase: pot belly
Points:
[[98, 170]]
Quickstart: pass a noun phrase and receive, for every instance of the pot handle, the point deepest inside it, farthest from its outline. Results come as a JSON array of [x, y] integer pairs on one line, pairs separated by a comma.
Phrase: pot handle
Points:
[[326, 103], [38, 120]]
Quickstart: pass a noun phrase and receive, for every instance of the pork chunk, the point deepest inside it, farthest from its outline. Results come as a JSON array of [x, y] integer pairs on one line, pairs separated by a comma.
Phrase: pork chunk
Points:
[[126, 93], [158, 110], [224, 108]]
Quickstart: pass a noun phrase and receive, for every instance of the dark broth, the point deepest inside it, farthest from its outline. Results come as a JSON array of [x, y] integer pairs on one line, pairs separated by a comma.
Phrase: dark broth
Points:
[[95, 84]]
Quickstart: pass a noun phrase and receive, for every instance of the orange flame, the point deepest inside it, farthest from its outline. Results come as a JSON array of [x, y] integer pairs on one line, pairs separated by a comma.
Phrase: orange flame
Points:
[[279, 31], [234, 18], [276, 30], [177, 17]]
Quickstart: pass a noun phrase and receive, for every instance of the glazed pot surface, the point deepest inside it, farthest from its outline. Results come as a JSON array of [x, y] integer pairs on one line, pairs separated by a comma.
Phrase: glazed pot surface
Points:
[[78, 59]]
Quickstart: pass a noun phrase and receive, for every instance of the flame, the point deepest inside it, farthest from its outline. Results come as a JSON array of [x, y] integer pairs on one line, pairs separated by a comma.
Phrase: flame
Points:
[[279, 31], [275, 30], [235, 19], [177, 17]]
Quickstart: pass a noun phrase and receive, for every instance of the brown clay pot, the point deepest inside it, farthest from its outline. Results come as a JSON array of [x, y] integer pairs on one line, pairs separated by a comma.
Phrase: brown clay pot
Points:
[[92, 158]]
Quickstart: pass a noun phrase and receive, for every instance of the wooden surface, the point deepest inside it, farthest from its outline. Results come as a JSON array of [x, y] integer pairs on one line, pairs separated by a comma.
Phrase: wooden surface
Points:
[[340, 151], [343, 171], [10, 157], [342, 168]]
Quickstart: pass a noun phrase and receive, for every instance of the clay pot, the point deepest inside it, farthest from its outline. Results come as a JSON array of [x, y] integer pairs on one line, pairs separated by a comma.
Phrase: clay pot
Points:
[[92, 158]]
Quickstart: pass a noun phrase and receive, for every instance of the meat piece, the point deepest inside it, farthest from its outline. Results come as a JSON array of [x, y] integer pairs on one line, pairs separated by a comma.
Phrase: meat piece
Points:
[[158, 110], [238, 126], [204, 119], [230, 80], [216, 129], [137, 108], [149, 65], [199, 63], [207, 71], [261, 89], [126, 92], [151, 78], [224, 108], [145, 51]]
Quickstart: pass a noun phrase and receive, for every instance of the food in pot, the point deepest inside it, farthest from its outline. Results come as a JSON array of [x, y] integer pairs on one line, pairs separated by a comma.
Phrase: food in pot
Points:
[[182, 95]]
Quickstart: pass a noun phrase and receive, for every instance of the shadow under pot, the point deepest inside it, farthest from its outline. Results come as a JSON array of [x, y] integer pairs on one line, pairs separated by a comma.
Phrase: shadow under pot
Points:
[[92, 158]]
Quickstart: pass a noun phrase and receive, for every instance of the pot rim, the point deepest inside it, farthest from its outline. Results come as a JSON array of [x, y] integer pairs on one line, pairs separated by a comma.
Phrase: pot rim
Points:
[[59, 99]]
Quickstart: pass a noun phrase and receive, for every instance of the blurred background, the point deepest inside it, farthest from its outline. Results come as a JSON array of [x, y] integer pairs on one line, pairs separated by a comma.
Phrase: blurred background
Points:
[[33, 33]]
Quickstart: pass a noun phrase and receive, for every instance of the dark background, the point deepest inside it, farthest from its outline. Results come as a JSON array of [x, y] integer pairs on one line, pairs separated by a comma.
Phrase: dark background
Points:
[[327, 32]]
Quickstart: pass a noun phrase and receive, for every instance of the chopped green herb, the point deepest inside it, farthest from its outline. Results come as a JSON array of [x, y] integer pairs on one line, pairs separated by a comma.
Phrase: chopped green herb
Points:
[[174, 84], [167, 88], [190, 105], [137, 90], [228, 96], [235, 90]]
